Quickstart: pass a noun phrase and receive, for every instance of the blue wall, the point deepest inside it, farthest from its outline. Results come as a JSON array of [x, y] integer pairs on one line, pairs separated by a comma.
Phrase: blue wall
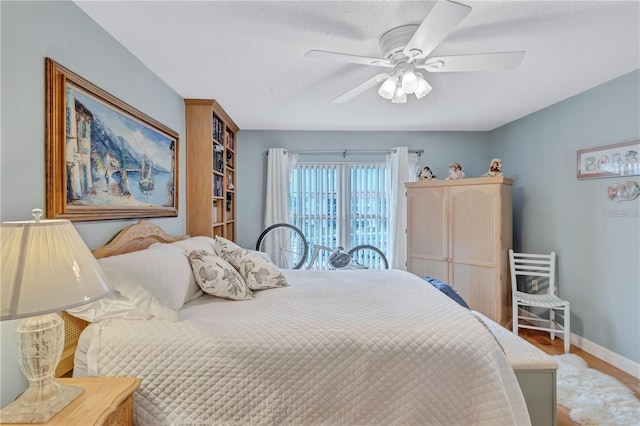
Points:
[[471, 149], [32, 31], [598, 253]]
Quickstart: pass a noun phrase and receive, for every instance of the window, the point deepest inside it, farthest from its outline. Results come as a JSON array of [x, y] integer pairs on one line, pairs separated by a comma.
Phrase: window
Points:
[[340, 204]]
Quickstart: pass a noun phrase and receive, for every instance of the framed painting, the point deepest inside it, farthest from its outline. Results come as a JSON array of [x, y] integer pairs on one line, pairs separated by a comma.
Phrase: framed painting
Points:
[[104, 158], [613, 160]]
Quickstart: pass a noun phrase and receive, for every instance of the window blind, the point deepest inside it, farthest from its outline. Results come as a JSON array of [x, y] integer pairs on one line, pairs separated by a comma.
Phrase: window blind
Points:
[[339, 204]]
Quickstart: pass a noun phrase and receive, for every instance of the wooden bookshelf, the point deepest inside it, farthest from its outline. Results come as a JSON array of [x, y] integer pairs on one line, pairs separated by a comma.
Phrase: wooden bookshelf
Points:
[[211, 178]]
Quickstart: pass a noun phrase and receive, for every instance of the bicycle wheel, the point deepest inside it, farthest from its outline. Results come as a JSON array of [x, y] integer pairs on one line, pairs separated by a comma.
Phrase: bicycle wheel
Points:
[[368, 257], [285, 244]]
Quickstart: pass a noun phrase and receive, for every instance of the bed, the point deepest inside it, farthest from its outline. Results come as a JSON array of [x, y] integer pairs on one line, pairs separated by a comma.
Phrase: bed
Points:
[[329, 348]]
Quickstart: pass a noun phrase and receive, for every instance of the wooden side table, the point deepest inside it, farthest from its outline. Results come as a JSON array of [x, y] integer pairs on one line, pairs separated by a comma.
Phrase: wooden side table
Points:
[[106, 401]]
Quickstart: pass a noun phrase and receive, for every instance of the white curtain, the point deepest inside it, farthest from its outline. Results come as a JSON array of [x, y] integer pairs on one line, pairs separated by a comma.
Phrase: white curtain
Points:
[[279, 166], [279, 246], [403, 167]]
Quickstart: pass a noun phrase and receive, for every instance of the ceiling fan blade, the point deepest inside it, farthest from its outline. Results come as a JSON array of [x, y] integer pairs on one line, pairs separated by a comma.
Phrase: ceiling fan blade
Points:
[[345, 57], [439, 22], [359, 89], [478, 62]]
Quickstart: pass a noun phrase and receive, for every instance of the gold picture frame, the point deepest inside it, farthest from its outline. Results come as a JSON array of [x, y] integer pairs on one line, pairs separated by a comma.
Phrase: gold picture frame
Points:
[[104, 158], [612, 160]]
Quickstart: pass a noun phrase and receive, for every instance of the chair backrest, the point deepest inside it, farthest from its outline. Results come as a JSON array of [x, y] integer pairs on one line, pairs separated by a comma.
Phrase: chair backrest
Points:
[[533, 265]]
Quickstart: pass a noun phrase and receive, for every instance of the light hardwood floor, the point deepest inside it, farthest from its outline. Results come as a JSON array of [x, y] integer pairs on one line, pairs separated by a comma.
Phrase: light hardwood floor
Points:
[[555, 347]]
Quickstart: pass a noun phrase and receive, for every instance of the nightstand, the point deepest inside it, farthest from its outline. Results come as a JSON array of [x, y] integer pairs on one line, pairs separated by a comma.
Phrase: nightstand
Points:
[[106, 401]]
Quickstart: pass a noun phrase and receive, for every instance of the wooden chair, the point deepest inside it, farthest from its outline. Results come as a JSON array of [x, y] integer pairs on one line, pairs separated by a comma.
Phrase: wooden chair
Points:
[[538, 269]]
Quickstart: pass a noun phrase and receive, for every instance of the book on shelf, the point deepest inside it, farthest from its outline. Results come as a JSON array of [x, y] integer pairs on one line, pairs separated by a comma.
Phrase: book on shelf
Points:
[[229, 159], [218, 154], [230, 140], [217, 186], [215, 213], [229, 202], [218, 130]]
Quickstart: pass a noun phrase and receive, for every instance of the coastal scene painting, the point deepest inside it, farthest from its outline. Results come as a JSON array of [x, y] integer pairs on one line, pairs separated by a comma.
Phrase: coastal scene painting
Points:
[[113, 160], [117, 162]]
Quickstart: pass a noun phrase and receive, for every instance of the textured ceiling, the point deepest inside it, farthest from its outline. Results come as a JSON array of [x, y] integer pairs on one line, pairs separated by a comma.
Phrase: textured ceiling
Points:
[[250, 57]]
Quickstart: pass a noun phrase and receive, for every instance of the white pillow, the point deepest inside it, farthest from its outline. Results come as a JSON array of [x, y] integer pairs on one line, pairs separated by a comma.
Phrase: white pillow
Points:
[[217, 277], [196, 243], [137, 295], [162, 270], [112, 306], [128, 301], [257, 272]]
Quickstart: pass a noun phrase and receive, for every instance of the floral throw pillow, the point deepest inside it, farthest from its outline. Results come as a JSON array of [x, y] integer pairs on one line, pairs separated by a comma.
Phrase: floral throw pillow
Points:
[[222, 244], [217, 277], [256, 270]]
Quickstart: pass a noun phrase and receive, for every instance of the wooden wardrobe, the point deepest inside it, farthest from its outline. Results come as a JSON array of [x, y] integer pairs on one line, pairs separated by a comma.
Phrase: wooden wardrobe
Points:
[[460, 232]]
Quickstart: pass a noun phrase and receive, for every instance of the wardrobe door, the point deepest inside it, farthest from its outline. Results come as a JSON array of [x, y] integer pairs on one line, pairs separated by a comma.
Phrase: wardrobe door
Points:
[[474, 231], [427, 236]]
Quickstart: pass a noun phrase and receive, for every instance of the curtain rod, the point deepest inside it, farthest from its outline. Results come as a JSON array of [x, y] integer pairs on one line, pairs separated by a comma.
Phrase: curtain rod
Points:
[[344, 152]]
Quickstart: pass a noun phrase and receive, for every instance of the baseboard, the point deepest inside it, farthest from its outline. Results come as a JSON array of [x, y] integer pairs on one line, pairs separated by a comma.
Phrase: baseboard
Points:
[[608, 356]]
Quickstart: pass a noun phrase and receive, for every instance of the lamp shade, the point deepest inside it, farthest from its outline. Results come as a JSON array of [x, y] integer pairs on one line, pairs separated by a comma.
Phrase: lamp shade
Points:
[[423, 88], [399, 97], [388, 88], [409, 82], [46, 267]]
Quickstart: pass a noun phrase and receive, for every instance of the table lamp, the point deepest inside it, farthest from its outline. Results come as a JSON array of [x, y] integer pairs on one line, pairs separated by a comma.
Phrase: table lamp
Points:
[[45, 268]]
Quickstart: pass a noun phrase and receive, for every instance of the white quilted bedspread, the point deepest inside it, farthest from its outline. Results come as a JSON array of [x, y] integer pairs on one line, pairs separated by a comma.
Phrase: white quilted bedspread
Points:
[[334, 348]]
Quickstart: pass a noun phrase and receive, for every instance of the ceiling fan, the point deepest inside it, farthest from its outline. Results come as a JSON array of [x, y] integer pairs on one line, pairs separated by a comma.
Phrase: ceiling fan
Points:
[[407, 48]]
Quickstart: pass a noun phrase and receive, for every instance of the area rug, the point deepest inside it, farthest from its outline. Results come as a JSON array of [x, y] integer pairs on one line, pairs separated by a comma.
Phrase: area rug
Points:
[[592, 397]]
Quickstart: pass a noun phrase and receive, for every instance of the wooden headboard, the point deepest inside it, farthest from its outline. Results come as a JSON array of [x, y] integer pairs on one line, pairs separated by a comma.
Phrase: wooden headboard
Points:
[[134, 237]]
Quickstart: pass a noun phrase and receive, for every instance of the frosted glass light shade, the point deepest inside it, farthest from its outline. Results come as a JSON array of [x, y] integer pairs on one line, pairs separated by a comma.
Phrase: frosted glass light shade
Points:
[[409, 82], [388, 88], [399, 97], [46, 267], [423, 88]]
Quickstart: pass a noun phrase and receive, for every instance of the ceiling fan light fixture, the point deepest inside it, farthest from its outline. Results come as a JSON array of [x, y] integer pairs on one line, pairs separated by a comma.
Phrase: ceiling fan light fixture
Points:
[[399, 97], [423, 88], [388, 88], [409, 82], [408, 48]]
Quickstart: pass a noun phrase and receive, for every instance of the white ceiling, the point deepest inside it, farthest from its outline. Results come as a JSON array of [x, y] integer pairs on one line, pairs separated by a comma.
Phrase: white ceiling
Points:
[[250, 57]]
